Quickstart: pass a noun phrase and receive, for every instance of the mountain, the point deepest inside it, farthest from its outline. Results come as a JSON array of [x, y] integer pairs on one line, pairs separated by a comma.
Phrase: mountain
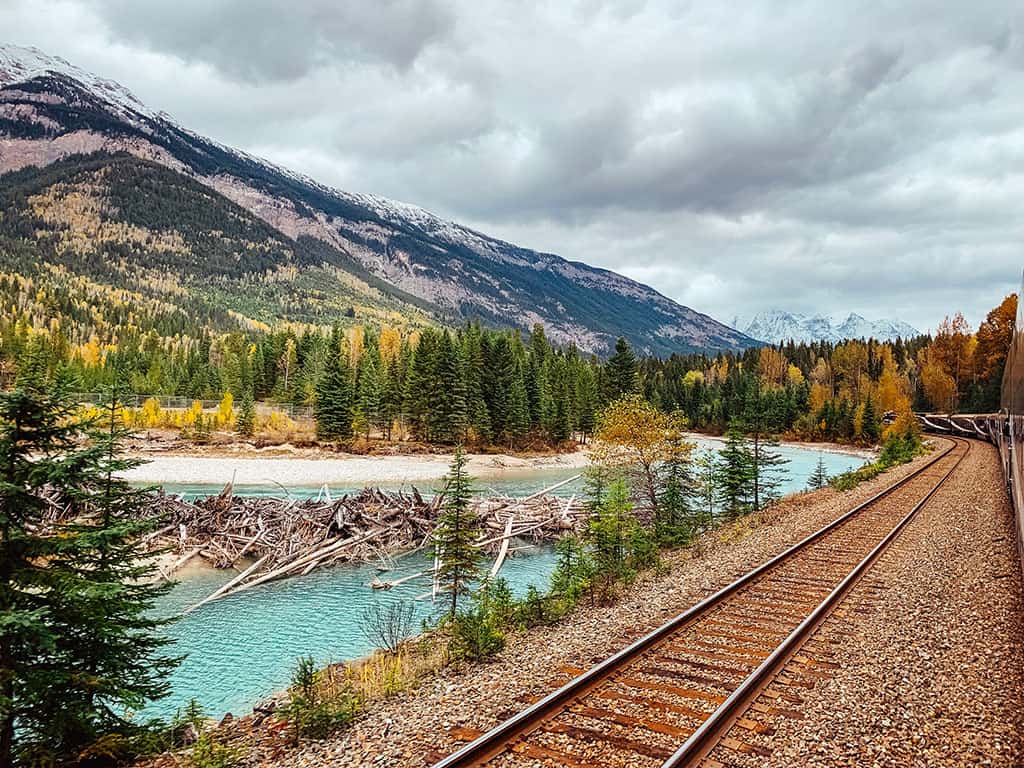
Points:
[[331, 248], [775, 326]]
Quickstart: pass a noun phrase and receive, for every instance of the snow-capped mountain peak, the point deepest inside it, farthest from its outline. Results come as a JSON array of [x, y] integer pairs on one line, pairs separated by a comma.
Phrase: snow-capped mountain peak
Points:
[[776, 325], [20, 63]]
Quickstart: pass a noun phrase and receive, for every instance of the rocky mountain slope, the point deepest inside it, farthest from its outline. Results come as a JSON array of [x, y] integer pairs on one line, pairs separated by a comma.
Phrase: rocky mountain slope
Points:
[[51, 110], [774, 326]]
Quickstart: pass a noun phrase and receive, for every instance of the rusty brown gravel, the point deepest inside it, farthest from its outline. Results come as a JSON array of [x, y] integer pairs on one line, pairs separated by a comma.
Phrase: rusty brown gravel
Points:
[[413, 728]]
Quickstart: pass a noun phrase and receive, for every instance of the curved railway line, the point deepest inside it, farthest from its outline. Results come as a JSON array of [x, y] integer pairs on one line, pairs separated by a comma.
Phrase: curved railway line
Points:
[[691, 685]]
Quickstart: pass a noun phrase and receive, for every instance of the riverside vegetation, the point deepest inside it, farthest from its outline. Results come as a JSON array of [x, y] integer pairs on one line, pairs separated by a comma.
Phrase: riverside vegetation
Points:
[[483, 388], [77, 589], [642, 497]]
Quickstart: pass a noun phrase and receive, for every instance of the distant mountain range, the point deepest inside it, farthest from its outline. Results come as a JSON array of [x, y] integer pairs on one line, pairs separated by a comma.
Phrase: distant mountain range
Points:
[[113, 191], [775, 326]]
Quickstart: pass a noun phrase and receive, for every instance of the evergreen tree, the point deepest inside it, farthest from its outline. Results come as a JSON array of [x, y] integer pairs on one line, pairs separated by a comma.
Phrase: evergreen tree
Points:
[[391, 399], [77, 640], [674, 521], [587, 400], [819, 478], [766, 464], [871, 426], [735, 472], [448, 406], [456, 533], [518, 406], [621, 372], [477, 416], [498, 379], [333, 408], [705, 487], [421, 385], [369, 392], [245, 423]]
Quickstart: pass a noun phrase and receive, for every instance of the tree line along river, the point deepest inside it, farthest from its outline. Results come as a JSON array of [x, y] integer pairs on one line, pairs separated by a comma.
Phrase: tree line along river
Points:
[[242, 648]]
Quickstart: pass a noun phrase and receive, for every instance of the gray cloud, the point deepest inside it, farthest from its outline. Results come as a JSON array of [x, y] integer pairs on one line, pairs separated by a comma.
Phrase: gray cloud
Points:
[[816, 157], [254, 40]]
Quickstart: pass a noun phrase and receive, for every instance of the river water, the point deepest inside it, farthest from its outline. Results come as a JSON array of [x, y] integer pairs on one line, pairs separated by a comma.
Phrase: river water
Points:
[[242, 648]]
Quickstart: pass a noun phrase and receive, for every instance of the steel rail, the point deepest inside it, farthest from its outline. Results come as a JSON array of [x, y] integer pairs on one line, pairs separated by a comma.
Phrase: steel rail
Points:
[[494, 741], [711, 731]]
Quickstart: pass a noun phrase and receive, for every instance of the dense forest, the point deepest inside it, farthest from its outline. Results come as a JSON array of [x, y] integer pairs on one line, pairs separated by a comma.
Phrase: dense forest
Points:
[[481, 387]]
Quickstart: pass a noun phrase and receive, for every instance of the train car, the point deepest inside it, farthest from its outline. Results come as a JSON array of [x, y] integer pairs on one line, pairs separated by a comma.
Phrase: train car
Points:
[[1005, 429]]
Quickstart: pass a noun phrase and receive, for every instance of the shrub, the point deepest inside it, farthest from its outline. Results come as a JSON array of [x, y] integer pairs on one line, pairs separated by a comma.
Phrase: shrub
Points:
[[207, 752], [476, 632], [313, 713], [388, 625]]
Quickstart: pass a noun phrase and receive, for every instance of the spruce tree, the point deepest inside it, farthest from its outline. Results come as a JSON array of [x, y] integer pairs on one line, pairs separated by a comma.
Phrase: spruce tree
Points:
[[819, 478], [622, 372], [421, 385], [735, 472], [518, 406], [871, 426], [766, 464], [333, 407], [368, 391], [477, 416], [391, 399], [456, 533], [245, 422], [78, 644], [448, 404], [674, 522]]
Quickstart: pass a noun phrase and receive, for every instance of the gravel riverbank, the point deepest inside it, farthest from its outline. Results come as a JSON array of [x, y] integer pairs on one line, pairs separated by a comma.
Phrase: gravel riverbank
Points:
[[415, 728]]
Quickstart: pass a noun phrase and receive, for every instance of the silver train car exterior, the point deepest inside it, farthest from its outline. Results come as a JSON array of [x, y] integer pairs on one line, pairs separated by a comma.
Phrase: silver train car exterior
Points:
[[1005, 429]]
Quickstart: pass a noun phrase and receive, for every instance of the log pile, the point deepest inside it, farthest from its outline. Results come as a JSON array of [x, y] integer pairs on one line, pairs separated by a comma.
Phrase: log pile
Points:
[[227, 528], [288, 537]]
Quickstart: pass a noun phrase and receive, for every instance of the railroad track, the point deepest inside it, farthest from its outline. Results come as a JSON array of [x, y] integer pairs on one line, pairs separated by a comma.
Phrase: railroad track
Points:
[[691, 685]]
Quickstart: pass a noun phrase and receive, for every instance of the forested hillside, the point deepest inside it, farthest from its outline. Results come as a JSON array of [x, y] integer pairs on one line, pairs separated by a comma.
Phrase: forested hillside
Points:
[[337, 248], [485, 387]]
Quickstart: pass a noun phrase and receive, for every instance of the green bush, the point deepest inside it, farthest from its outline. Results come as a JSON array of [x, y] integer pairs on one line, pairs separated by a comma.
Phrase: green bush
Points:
[[898, 449], [207, 752], [476, 632], [311, 713]]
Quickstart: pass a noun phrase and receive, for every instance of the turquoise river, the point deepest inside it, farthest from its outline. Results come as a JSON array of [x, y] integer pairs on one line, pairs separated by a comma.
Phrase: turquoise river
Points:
[[242, 648]]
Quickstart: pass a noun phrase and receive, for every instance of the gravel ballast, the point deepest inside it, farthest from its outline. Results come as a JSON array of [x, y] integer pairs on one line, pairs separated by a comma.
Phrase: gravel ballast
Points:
[[415, 728], [928, 648]]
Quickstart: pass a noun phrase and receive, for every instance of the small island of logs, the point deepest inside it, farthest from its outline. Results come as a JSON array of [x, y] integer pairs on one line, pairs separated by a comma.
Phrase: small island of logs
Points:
[[277, 537]]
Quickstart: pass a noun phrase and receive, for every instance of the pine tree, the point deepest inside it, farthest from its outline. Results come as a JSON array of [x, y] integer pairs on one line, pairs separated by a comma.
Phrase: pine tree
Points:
[[456, 533], [391, 400], [706, 487], [245, 422], [819, 478], [622, 372], [333, 408], [766, 464], [369, 392], [478, 418], [76, 595], [674, 521], [421, 385], [735, 472], [871, 426], [448, 404], [497, 381], [518, 406]]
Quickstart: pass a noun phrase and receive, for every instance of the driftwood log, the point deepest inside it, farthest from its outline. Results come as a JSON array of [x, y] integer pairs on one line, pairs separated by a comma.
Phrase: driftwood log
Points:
[[287, 536]]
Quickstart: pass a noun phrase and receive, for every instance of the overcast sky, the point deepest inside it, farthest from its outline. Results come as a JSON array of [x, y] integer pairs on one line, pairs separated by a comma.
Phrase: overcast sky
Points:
[[819, 157]]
